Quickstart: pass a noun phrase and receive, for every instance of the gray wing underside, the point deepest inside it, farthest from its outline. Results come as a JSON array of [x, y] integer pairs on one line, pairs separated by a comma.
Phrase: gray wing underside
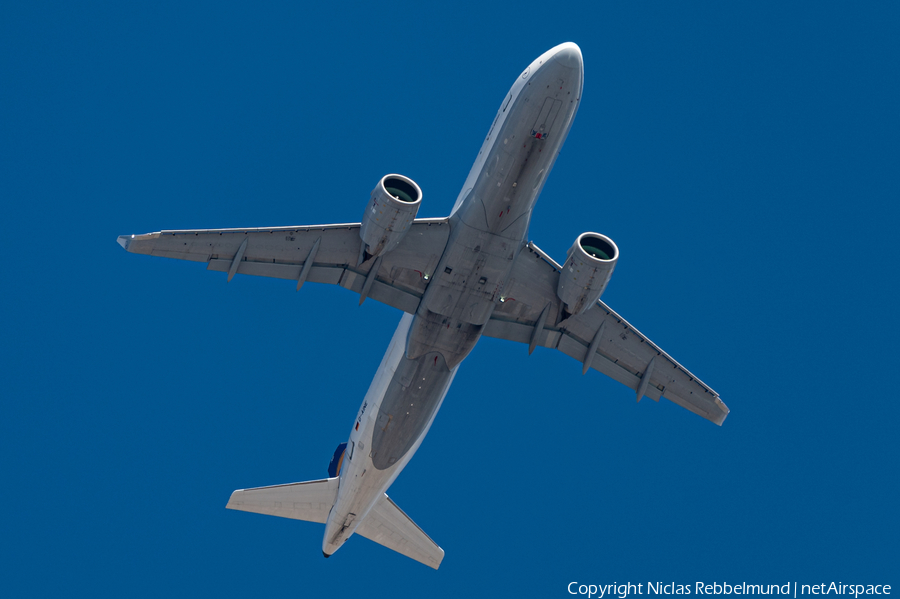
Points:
[[282, 253], [621, 351]]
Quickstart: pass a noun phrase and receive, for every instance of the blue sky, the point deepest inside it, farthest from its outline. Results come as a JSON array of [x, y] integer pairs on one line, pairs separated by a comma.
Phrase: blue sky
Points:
[[743, 156]]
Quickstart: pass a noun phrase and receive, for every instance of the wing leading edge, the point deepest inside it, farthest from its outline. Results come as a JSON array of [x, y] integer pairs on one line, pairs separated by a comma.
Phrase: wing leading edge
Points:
[[600, 339]]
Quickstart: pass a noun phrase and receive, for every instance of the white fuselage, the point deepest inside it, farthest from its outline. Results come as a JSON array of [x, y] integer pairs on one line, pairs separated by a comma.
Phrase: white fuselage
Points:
[[489, 225]]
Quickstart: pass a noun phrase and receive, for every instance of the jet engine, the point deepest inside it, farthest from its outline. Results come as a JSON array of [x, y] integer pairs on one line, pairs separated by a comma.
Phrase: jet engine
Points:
[[389, 213], [586, 272]]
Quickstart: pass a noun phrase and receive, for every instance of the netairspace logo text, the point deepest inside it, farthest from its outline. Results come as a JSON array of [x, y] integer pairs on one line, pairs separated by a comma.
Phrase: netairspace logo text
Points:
[[791, 589]]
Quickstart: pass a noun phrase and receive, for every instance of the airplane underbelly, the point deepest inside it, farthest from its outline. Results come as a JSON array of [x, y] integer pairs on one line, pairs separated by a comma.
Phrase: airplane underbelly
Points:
[[409, 405], [397, 412], [487, 232], [523, 152]]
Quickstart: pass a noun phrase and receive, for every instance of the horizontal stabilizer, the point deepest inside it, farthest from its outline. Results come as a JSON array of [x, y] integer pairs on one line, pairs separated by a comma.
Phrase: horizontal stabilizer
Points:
[[388, 525], [310, 501]]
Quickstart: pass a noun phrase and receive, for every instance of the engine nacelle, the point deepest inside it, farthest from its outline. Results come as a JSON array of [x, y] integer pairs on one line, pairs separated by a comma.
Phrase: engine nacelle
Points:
[[389, 213], [587, 271]]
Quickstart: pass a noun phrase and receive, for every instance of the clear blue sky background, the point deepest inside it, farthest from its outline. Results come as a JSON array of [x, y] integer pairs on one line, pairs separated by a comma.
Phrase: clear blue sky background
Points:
[[744, 157]]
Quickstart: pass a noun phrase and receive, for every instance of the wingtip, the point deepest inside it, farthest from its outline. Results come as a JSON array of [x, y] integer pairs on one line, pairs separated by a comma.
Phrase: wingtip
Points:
[[725, 411], [234, 501], [139, 244]]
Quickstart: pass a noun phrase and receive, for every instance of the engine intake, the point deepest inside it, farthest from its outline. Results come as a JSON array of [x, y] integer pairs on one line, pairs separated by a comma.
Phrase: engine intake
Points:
[[587, 271], [391, 210]]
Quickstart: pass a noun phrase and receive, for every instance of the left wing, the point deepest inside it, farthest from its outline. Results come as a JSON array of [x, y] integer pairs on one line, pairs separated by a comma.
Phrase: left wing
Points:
[[318, 253], [600, 339]]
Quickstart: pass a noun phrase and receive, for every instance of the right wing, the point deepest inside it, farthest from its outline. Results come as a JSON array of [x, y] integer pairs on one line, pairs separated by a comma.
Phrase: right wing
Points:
[[388, 525], [282, 252], [600, 339]]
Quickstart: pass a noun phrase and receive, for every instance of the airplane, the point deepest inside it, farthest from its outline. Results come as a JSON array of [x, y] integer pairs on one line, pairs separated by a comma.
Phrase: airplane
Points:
[[456, 279]]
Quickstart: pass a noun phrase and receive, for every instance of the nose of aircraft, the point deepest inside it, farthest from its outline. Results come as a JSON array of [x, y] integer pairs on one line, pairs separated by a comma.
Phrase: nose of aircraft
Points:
[[568, 55]]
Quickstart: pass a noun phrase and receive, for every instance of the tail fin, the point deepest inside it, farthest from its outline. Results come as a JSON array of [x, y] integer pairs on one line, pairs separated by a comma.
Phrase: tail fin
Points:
[[388, 525], [310, 501]]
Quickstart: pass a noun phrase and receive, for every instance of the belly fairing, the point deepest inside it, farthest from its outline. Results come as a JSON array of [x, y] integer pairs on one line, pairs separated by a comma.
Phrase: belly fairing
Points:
[[412, 397]]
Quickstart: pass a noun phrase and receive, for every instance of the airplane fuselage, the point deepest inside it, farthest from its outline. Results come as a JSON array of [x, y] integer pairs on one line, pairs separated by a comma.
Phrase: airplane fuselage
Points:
[[488, 229]]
